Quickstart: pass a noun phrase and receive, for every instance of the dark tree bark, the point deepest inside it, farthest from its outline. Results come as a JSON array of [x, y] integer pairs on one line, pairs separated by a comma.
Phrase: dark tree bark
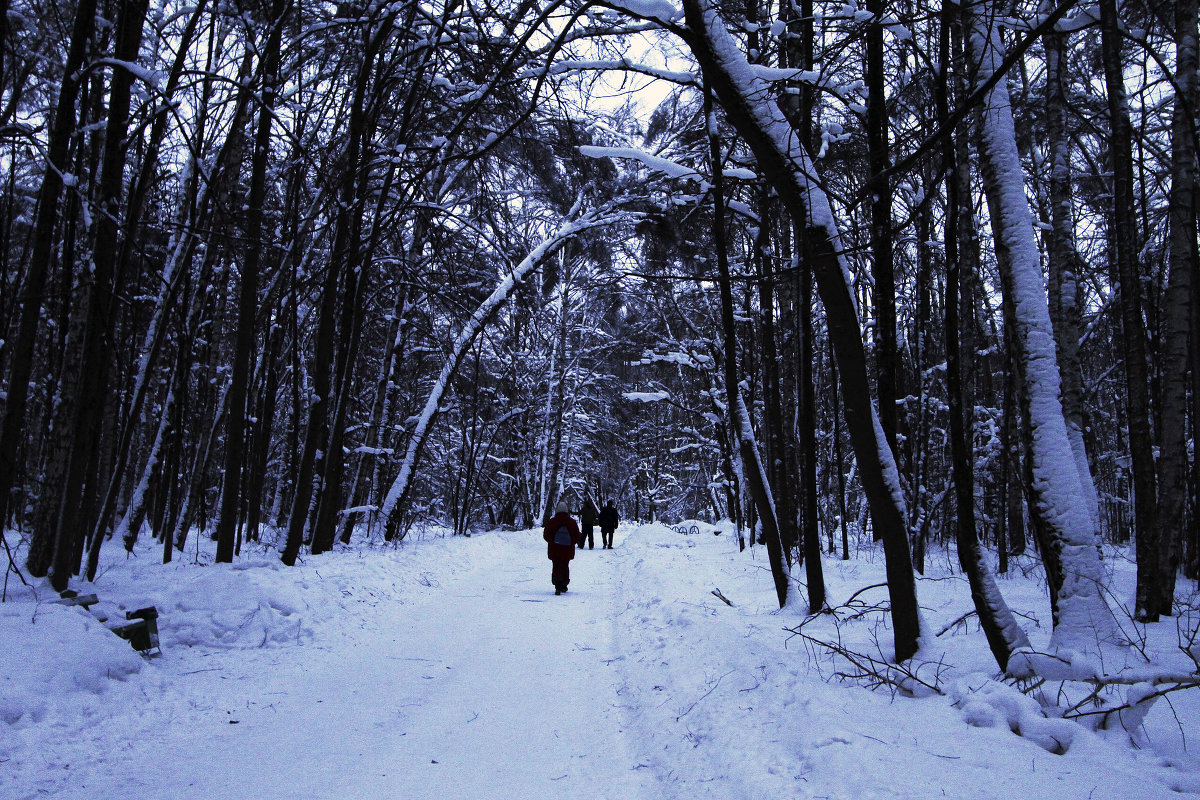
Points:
[[1192, 567], [243, 357], [1177, 312], [999, 626], [883, 293], [737, 415], [807, 413], [776, 436], [12, 430], [1128, 273], [838, 462], [797, 51], [1012, 459], [264, 427], [74, 498], [770, 136]]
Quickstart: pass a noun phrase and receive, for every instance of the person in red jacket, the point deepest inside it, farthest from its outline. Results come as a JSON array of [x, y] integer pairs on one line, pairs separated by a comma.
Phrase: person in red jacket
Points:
[[561, 535]]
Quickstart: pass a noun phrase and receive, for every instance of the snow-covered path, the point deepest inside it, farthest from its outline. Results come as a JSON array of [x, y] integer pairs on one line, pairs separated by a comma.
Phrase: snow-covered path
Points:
[[490, 687], [505, 686], [447, 668]]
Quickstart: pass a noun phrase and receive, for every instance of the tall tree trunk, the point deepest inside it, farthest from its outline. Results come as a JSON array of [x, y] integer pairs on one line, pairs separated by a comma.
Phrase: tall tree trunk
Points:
[[316, 428], [1063, 261], [883, 293], [1177, 311], [1003, 633], [12, 430], [839, 465], [1192, 568], [1133, 342], [798, 52], [738, 416], [1082, 612], [745, 99], [807, 412], [916, 445], [776, 451], [264, 427], [243, 360], [72, 481]]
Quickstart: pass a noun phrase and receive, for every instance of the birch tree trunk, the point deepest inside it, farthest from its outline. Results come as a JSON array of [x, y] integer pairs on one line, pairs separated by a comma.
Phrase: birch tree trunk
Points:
[[1063, 261], [1082, 614]]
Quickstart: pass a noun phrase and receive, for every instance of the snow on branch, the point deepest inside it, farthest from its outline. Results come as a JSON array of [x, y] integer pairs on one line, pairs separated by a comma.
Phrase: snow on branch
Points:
[[625, 65], [646, 397], [150, 77], [660, 10], [655, 163], [773, 74]]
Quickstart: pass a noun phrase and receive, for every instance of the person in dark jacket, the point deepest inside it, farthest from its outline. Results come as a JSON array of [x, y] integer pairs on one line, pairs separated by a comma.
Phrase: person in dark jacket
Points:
[[561, 535], [587, 518], [608, 524]]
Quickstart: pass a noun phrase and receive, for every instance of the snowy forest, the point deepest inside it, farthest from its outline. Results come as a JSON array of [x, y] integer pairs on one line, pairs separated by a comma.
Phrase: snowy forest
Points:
[[920, 275]]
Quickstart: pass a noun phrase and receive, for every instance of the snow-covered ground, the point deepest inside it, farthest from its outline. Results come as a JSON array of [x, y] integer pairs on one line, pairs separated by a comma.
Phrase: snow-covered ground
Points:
[[447, 668]]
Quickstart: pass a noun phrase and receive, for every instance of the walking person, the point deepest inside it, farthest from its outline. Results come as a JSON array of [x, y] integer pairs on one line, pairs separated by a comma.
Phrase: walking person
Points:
[[561, 535], [587, 519], [608, 524]]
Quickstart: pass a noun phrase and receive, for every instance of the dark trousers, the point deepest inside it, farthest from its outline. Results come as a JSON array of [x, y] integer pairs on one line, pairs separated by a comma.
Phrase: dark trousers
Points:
[[560, 575], [587, 536], [606, 538]]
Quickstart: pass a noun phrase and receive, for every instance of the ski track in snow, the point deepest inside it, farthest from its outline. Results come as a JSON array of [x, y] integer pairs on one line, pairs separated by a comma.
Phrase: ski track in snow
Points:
[[448, 668]]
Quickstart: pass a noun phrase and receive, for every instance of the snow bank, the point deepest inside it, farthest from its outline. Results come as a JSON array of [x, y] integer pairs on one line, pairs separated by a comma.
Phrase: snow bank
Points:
[[54, 654], [706, 678], [52, 651]]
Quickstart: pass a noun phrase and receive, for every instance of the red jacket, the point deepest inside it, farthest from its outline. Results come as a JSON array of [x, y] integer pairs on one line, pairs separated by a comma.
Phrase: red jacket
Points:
[[560, 552]]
